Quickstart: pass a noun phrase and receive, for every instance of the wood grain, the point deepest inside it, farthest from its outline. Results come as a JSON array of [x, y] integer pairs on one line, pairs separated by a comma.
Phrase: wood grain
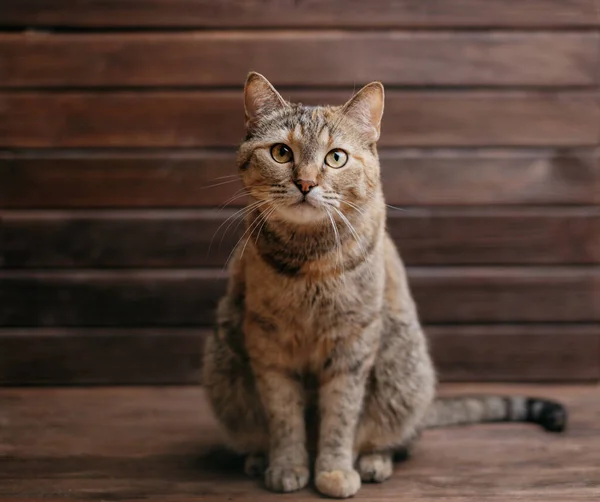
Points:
[[139, 298], [287, 13], [105, 356], [497, 236], [215, 118], [126, 298], [101, 179], [100, 356], [516, 352], [223, 58], [507, 294], [162, 444], [203, 238]]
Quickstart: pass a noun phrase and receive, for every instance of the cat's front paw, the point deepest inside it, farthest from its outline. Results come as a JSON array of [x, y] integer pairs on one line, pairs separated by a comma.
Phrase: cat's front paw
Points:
[[286, 478], [339, 484]]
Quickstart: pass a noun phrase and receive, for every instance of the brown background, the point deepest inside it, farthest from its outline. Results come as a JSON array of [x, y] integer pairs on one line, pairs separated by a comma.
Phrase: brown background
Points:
[[116, 115]]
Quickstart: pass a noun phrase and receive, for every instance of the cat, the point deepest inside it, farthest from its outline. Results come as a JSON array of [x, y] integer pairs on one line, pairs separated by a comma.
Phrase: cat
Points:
[[318, 352]]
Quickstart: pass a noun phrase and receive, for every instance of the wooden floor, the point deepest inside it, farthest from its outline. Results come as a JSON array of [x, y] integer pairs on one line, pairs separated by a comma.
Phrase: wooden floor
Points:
[[160, 444]]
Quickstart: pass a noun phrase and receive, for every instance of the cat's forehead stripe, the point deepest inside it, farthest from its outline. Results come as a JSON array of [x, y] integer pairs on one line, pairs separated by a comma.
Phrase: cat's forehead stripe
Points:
[[302, 124], [324, 136], [296, 134]]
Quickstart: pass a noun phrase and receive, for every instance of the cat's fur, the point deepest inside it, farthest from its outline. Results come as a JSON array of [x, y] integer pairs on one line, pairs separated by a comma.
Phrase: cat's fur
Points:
[[318, 348]]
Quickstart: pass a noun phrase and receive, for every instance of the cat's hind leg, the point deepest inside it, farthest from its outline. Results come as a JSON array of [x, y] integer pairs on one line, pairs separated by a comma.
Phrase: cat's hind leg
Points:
[[255, 465], [399, 392], [375, 467], [231, 391]]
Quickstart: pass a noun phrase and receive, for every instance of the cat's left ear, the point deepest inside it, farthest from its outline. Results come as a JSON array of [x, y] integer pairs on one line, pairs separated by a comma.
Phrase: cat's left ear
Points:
[[260, 99], [366, 109]]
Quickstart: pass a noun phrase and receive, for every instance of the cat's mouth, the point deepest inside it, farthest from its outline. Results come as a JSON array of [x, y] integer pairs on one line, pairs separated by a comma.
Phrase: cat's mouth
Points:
[[302, 210], [305, 201]]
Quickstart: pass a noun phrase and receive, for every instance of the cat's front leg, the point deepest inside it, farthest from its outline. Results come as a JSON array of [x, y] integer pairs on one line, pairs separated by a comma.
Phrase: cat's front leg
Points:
[[340, 402], [284, 402]]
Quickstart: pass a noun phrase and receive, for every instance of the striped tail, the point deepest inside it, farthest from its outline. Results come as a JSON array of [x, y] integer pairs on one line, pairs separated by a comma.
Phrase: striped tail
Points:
[[462, 410]]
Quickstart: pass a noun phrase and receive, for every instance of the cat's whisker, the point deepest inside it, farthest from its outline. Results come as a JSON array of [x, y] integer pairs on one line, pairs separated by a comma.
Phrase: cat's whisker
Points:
[[239, 213], [231, 219], [396, 208], [226, 177], [270, 199], [253, 226], [247, 210], [219, 184], [248, 229], [267, 216], [244, 191], [354, 206], [338, 243], [235, 196], [260, 189], [352, 231], [362, 250]]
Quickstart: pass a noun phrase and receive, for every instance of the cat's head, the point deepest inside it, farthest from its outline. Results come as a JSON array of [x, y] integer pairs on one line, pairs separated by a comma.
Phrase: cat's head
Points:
[[305, 164]]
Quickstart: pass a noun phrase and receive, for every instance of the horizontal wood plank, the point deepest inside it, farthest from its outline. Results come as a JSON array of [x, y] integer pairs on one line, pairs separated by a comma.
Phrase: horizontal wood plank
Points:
[[215, 118], [66, 179], [497, 236], [224, 58], [167, 356], [96, 356], [516, 352], [288, 13], [203, 238], [188, 297]]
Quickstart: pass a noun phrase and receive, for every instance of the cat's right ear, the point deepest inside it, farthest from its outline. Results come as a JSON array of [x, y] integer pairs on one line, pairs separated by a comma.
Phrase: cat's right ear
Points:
[[260, 99], [366, 109]]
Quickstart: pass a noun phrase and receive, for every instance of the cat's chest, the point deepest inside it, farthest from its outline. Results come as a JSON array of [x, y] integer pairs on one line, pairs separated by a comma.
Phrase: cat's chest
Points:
[[300, 321], [309, 308]]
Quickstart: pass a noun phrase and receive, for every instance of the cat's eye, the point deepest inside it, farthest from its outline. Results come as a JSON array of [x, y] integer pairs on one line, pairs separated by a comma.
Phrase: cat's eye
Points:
[[336, 158], [281, 153]]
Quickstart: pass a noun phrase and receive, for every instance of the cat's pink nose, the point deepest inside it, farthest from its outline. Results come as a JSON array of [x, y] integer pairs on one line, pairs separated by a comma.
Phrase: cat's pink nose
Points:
[[305, 186]]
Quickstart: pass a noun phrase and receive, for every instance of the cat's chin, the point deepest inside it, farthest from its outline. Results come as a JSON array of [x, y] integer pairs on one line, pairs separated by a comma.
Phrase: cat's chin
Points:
[[301, 214]]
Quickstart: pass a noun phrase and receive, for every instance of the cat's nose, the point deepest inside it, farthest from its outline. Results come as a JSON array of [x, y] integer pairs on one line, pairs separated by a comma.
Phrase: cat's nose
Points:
[[305, 186]]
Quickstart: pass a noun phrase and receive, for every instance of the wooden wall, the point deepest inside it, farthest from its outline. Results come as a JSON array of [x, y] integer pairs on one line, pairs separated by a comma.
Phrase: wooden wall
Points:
[[116, 115]]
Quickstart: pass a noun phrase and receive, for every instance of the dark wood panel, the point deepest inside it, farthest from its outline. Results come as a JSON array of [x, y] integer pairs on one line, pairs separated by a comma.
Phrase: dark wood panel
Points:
[[188, 297], [289, 13], [173, 355], [483, 177], [215, 118], [497, 236], [117, 179], [508, 294], [411, 177], [127, 298], [183, 239], [96, 356], [224, 58], [516, 352]]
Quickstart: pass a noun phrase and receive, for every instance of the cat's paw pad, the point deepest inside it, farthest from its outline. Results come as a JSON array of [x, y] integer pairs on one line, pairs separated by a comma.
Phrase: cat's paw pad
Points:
[[255, 465], [286, 479], [375, 467], [338, 484]]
